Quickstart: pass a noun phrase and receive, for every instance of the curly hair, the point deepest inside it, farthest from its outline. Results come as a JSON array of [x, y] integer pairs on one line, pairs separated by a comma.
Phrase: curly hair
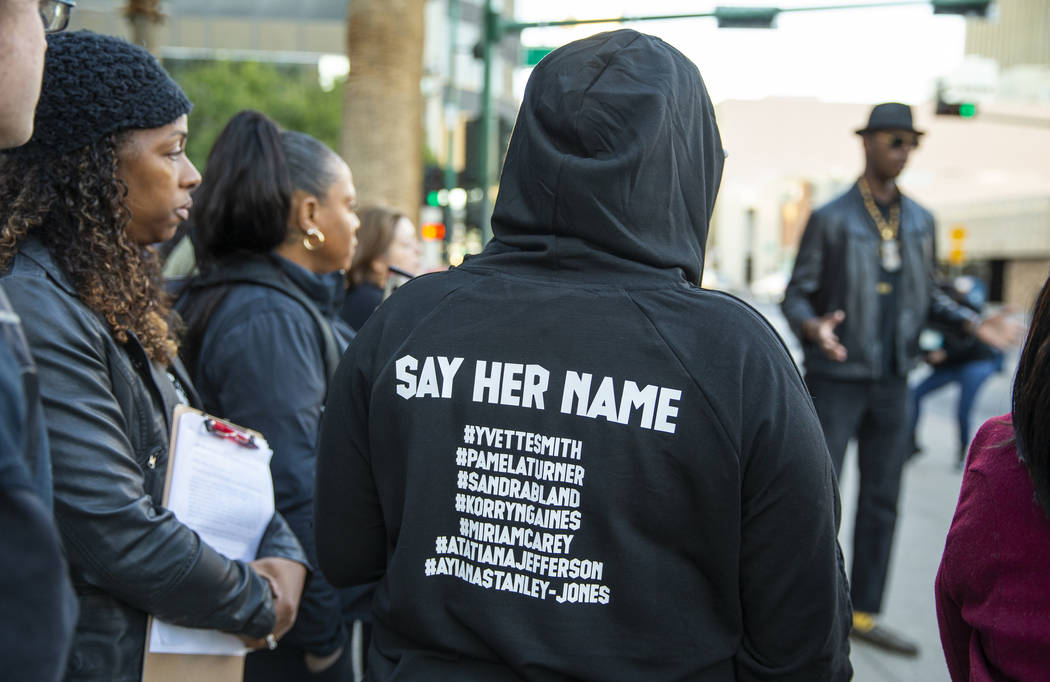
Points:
[[76, 204]]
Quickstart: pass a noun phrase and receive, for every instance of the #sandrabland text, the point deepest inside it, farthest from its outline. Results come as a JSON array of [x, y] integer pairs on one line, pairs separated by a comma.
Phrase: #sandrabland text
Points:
[[525, 385]]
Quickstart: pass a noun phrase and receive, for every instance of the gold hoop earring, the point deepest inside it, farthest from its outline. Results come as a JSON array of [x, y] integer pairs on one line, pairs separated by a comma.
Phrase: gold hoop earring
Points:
[[313, 233]]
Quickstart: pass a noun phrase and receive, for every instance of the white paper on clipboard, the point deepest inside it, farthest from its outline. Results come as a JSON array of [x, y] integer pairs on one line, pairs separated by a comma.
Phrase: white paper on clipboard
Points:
[[223, 490]]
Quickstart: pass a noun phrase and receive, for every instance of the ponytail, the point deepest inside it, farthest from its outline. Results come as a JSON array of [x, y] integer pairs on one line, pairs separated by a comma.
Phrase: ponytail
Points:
[[244, 199], [311, 164]]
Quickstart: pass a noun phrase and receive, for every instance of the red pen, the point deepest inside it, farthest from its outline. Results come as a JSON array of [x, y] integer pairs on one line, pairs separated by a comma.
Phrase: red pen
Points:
[[217, 428]]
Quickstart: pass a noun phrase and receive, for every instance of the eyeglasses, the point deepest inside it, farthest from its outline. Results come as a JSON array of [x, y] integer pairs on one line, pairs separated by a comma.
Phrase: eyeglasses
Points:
[[897, 140], [55, 14]]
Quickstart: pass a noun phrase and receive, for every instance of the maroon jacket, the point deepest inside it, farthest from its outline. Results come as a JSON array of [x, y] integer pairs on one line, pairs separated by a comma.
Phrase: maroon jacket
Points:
[[993, 586]]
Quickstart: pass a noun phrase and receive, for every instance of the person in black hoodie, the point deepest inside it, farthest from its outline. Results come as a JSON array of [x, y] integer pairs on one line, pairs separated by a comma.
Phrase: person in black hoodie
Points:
[[564, 458]]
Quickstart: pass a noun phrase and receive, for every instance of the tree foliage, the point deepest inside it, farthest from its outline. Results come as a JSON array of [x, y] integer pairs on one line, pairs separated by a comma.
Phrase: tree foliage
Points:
[[288, 93]]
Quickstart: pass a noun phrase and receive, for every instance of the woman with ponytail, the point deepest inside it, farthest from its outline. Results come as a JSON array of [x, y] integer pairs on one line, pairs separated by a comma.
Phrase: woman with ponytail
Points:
[[273, 226], [103, 177], [993, 586]]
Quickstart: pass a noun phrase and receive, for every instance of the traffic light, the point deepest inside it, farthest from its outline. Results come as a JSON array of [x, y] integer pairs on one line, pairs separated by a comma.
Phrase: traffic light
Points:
[[967, 8], [432, 231], [746, 17], [961, 109], [433, 184]]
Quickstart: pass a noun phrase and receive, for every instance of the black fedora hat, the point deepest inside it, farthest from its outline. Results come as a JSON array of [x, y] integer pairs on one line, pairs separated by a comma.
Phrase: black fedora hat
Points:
[[889, 116]]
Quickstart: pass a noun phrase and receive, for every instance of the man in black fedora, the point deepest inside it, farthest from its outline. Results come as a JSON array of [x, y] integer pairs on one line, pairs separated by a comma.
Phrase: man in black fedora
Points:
[[861, 291]]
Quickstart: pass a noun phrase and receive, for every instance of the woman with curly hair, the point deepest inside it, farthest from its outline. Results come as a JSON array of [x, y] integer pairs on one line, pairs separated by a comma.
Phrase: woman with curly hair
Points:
[[104, 176], [993, 601]]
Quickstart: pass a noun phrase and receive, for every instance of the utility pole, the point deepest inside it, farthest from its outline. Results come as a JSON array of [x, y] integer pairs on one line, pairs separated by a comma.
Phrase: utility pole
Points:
[[451, 92]]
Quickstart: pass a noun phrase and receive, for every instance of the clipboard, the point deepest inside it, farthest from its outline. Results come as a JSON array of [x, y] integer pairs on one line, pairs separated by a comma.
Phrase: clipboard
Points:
[[178, 667]]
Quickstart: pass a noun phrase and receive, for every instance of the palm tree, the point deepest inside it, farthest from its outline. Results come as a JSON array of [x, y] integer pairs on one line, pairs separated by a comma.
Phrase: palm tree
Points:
[[382, 136], [144, 16]]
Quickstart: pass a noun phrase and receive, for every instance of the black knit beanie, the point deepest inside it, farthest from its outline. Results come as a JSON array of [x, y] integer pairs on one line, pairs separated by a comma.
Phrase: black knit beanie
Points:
[[96, 85]]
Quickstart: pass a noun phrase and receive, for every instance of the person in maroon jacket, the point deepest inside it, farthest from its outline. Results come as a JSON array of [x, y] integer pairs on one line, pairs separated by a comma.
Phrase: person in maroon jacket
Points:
[[993, 601]]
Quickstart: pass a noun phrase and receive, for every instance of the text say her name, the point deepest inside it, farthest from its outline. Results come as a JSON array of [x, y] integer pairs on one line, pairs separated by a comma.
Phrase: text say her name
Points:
[[525, 385]]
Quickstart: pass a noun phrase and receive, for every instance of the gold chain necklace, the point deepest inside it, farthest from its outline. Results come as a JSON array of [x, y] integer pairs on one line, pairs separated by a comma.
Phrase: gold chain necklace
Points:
[[887, 229]]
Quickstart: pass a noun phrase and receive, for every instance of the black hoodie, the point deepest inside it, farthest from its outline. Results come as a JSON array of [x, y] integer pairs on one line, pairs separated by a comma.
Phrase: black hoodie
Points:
[[566, 460]]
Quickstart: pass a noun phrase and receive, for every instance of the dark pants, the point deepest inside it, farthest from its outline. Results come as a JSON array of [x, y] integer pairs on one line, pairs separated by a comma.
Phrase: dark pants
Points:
[[970, 376], [287, 664], [876, 414]]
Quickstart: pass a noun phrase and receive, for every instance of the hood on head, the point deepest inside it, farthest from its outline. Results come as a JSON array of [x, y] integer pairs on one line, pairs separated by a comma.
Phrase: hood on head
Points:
[[616, 145]]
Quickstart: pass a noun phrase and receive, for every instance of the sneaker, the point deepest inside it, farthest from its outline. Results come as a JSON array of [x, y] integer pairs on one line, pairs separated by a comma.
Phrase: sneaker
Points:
[[866, 629]]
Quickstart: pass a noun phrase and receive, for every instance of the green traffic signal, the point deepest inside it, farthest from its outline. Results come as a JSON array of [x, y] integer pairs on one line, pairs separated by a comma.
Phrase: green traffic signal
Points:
[[437, 197], [960, 109], [946, 107]]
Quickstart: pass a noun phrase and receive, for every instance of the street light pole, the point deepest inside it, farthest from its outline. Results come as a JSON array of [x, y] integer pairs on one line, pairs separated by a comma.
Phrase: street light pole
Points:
[[451, 93], [491, 34]]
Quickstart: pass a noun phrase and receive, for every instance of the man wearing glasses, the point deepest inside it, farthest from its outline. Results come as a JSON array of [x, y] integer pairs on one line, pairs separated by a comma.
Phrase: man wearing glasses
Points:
[[861, 291], [22, 49], [38, 600]]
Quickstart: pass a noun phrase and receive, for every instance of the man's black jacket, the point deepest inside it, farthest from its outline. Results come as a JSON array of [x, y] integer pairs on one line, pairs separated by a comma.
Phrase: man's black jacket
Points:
[[837, 268]]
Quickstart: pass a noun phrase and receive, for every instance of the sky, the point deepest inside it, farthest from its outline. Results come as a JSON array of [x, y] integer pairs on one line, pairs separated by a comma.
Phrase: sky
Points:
[[854, 55]]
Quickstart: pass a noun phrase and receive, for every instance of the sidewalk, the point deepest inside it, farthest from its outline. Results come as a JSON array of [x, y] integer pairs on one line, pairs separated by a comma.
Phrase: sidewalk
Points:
[[928, 495]]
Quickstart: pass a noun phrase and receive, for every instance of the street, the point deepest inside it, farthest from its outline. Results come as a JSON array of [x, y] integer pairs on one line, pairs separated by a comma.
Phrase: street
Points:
[[928, 496]]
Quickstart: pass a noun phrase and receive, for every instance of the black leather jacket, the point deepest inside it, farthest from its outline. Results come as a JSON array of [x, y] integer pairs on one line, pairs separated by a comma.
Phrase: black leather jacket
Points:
[[107, 409], [34, 580], [837, 268]]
